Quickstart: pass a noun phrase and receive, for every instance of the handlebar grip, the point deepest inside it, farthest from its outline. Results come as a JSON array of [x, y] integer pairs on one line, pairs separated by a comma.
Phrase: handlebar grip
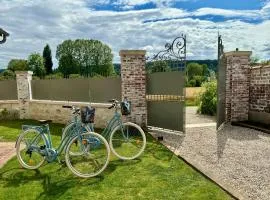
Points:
[[111, 107], [66, 106]]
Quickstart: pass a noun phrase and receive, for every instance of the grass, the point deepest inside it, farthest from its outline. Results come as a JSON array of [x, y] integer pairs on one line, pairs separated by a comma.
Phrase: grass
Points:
[[157, 174]]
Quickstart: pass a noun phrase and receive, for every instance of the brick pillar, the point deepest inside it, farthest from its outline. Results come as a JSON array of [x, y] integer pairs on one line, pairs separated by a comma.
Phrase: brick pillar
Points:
[[134, 84], [237, 85], [23, 79]]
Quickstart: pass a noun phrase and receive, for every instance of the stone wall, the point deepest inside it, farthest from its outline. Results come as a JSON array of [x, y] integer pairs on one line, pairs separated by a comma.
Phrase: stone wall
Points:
[[133, 77], [44, 109], [9, 109]]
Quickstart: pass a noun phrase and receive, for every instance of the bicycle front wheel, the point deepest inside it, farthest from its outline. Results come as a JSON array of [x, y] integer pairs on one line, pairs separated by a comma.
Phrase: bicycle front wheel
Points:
[[128, 141], [89, 157], [28, 149]]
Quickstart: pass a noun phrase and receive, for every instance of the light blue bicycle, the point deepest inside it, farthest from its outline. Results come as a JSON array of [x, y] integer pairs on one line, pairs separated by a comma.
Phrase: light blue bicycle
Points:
[[87, 154], [126, 139]]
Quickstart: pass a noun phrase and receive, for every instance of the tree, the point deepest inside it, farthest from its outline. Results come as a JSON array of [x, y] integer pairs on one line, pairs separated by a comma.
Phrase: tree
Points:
[[159, 66], [47, 56], [67, 66], [36, 64], [88, 57], [194, 69], [17, 65]]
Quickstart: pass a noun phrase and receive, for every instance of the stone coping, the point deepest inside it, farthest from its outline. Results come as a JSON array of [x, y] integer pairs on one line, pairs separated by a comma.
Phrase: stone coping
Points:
[[100, 105], [9, 101], [132, 52], [238, 53], [24, 72]]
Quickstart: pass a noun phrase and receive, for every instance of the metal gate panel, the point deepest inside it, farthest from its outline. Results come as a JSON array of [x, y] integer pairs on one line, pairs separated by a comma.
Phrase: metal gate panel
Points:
[[166, 83], [165, 87], [168, 115], [221, 85]]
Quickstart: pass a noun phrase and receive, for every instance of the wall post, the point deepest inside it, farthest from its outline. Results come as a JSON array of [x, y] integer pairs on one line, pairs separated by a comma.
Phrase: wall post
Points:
[[237, 85], [24, 91], [133, 84]]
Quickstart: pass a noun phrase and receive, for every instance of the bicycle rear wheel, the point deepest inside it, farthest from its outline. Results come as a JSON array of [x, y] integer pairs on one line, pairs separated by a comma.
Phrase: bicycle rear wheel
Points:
[[89, 157], [28, 148], [128, 141]]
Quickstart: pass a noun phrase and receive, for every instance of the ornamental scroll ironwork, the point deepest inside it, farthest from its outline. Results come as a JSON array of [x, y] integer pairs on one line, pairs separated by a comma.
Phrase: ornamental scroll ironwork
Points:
[[3, 36], [174, 54]]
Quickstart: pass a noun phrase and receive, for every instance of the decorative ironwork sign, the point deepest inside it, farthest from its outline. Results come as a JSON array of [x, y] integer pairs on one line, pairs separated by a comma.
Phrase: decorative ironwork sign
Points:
[[3, 36], [174, 53]]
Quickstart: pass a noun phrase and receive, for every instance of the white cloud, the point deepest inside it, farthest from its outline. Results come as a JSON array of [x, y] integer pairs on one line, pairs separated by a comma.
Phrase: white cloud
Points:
[[32, 24], [129, 4]]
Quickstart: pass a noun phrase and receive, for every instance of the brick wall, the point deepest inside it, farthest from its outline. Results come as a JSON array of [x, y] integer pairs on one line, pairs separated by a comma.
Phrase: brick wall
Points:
[[237, 85], [260, 89], [133, 77]]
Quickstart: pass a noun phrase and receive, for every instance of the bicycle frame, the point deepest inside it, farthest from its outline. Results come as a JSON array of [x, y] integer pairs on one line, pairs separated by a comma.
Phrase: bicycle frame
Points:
[[44, 131], [114, 121]]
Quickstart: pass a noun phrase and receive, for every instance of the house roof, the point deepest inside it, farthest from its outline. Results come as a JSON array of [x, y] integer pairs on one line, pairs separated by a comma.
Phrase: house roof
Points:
[[4, 32]]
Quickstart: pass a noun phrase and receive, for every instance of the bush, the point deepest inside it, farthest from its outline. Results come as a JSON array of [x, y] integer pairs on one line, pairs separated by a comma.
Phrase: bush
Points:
[[208, 98], [57, 75], [7, 75], [75, 76]]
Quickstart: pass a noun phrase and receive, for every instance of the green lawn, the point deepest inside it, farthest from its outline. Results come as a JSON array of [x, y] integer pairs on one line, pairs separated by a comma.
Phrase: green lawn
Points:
[[158, 174]]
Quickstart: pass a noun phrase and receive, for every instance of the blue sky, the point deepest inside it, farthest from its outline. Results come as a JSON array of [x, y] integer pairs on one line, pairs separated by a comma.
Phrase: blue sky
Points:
[[136, 24], [188, 5]]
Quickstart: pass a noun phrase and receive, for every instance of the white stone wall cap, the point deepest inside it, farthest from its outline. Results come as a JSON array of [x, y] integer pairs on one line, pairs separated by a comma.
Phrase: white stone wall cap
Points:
[[100, 105], [24, 72], [132, 52], [8, 101], [238, 53]]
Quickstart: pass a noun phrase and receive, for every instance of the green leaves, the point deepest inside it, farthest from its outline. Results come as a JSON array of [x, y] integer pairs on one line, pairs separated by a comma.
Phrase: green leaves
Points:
[[208, 98], [36, 64], [47, 56], [86, 57], [17, 65]]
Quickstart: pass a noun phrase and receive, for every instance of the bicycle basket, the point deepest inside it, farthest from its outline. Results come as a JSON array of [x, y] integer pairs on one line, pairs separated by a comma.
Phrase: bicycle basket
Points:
[[87, 114], [125, 107]]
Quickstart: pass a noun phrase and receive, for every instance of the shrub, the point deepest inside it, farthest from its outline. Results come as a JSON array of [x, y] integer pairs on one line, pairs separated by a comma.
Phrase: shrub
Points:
[[7, 75], [74, 76], [57, 75], [208, 98]]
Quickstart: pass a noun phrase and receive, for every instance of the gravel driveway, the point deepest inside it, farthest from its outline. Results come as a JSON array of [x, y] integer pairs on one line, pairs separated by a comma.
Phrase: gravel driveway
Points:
[[235, 157]]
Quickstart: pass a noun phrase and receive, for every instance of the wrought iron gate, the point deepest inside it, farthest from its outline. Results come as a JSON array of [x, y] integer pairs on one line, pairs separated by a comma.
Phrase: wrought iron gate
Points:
[[165, 87], [221, 84]]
